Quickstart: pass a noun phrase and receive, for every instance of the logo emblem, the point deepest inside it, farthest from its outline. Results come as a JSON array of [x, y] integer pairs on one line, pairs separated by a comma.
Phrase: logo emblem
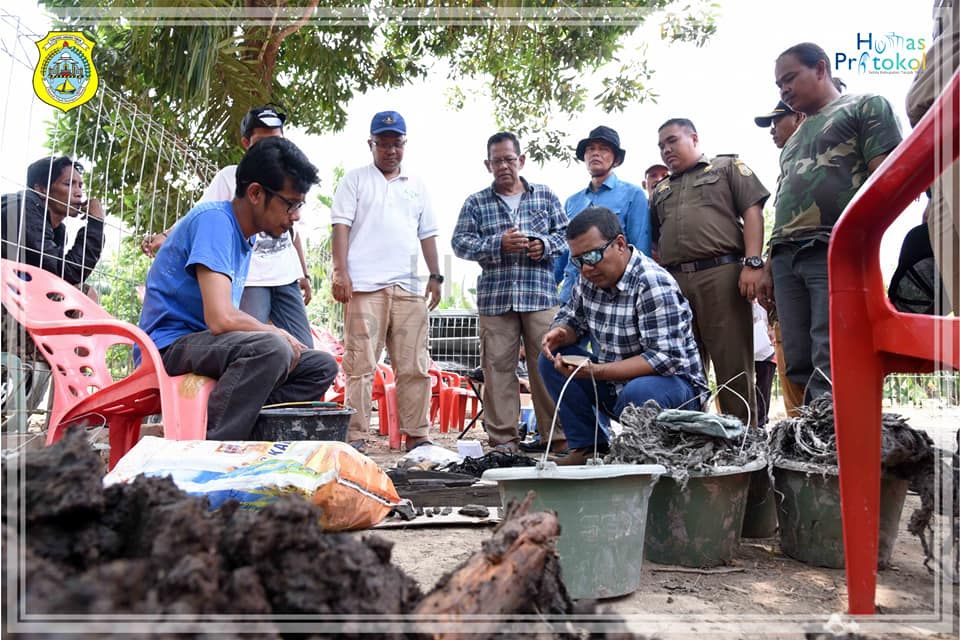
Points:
[[65, 76]]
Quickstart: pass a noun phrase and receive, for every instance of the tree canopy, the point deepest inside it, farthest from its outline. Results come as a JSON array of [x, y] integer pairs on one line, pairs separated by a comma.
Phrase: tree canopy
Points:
[[195, 69]]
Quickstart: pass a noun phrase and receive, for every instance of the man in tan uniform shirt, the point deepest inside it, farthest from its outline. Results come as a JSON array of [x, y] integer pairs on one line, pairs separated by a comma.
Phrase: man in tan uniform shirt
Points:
[[707, 220]]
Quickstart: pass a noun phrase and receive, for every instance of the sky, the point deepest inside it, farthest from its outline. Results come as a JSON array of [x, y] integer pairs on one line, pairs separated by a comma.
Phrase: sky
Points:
[[720, 86]]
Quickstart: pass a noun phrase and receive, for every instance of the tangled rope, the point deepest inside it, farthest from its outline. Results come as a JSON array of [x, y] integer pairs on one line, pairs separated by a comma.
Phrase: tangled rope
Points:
[[904, 453], [644, 440]]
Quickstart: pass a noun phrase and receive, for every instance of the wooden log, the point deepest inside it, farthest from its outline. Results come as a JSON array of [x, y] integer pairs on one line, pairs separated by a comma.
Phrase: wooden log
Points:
[[440, 496], [516, 571]]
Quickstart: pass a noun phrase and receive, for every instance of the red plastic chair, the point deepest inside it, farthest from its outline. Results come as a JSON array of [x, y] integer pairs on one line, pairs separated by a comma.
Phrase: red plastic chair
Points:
[[385, 395], [338, 388], [74, 334], [436, 386], [869, 338], [453, 402]]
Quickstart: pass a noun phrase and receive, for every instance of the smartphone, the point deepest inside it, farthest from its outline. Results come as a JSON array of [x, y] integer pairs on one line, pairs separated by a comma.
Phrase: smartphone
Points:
[[573, 360]]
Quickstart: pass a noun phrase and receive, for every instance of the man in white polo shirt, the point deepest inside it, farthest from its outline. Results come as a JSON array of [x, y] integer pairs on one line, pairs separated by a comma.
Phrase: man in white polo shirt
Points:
[[381, 220]]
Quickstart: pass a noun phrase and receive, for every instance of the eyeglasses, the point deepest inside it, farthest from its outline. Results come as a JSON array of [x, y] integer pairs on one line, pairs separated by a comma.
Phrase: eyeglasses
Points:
[[496, 162], [592, 257], [389, 146], [292, 205]]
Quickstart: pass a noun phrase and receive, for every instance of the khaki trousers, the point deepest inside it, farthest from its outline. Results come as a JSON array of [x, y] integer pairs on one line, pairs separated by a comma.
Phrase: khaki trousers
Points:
[[395, 318], [723, 326], [499, 354]]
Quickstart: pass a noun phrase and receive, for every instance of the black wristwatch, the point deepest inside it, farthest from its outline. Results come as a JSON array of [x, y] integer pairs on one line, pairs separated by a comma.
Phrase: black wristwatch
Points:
[[437, 277], [754, 262]]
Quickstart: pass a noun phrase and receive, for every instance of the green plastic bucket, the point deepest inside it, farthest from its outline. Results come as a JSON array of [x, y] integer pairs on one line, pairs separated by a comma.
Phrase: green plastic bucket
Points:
[[602, 511], [808, 505], [700, 525], [760, 516]]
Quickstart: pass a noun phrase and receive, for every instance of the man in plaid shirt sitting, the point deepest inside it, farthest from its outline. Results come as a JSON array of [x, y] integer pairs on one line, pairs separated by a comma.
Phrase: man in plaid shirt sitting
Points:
[[641, 328]]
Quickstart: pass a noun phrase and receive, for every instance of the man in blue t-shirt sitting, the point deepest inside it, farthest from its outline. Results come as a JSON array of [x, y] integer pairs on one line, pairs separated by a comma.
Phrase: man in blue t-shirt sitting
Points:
[[190, 309]]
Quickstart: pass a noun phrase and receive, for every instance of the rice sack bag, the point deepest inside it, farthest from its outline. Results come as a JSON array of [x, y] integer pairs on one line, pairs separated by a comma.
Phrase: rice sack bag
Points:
[[349, 487]]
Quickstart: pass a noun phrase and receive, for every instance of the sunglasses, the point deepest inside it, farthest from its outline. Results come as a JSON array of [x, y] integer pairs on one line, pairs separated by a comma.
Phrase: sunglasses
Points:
[[592, 257]]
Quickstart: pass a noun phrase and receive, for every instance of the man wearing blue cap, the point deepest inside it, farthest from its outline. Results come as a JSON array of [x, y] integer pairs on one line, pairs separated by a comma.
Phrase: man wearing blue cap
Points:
[[382, 219], [601, 152]]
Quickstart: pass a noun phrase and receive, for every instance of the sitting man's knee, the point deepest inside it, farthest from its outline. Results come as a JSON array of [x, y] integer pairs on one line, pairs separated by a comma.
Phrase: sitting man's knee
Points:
[[271, 346]]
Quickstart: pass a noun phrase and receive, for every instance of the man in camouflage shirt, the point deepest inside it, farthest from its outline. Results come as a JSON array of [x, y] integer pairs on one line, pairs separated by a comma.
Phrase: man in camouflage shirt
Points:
[[841, 142]]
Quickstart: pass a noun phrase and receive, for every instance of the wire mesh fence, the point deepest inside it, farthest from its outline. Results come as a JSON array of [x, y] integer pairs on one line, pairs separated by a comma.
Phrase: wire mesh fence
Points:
[[455, 339], [144, 177]]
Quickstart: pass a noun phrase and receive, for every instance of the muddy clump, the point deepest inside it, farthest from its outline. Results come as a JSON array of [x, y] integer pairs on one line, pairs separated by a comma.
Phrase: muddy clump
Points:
[[147, 547]]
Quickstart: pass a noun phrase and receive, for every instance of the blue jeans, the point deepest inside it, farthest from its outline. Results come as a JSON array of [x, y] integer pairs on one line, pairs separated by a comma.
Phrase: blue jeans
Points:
[[282, 305], [578, 411], [803, 302]]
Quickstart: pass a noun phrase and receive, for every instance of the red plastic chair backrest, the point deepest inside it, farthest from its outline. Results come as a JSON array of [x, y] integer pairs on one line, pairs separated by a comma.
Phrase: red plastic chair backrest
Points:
[[79, 360]]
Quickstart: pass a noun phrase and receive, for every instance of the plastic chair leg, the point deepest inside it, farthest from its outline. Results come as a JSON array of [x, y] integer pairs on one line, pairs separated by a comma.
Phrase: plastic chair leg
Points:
[[444, 410], [857, 400], [383, 414], [459, 412], [124, 434], [393, 421], [15, 402]]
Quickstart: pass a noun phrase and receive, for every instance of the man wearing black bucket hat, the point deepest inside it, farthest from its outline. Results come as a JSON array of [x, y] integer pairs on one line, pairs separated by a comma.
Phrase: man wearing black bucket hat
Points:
[[601, 153]]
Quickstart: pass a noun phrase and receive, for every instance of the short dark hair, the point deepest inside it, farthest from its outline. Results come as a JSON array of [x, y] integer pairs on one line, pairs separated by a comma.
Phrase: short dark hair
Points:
[[655, 166], [46, 170], [679, 122], [809, 54], [270, 162], [606, 222], [501, 137]]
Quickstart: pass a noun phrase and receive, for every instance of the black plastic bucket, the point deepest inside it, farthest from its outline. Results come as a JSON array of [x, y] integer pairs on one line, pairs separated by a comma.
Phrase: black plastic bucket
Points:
[[326, 421]]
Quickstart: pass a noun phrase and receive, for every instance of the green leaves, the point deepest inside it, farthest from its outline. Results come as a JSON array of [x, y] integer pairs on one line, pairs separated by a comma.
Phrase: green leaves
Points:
[[196, 67]]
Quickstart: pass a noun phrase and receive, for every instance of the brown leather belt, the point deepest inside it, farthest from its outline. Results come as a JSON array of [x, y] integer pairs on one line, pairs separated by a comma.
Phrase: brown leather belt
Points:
[[706, 263]]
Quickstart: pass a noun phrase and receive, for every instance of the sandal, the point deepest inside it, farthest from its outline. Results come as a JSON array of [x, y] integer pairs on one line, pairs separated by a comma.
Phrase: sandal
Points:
[[425, 441], [507, 447]]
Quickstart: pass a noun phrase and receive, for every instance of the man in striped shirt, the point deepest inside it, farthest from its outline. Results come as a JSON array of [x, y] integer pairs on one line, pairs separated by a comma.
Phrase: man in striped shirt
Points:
[[641, 328], [514, 229]]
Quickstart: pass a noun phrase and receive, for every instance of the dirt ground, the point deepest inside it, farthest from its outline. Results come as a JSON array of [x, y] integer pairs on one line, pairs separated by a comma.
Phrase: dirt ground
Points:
[[766, 592], [762, 592]]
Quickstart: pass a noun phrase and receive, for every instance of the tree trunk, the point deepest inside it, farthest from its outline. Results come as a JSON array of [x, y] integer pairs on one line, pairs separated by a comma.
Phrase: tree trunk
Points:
[[517, 571]]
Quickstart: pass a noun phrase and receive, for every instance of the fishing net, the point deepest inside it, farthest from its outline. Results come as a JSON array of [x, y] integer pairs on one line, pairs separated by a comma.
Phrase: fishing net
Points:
[[904, 453], [645, 439]]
